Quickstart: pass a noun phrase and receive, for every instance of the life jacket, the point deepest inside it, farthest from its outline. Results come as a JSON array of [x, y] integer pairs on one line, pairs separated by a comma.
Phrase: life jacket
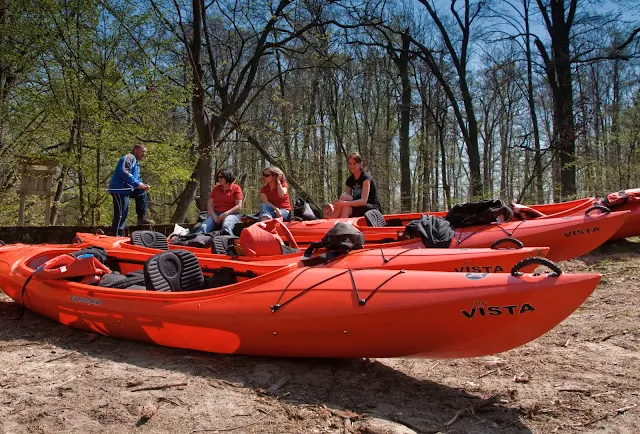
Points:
[[83, 268], [261, 239], [525, 212], [621, 197]]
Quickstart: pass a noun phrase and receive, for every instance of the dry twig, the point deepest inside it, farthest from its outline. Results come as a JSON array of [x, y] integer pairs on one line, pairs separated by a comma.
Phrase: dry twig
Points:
[[233, 428], [623, 409], [489, 372], [164, 386], [62, 357], [605, 416], [473, 407], [576, 390]]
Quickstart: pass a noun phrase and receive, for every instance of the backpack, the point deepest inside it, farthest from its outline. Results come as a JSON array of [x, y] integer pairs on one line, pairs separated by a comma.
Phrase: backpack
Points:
[[434, 231], [306, 211], [202, 217], [200, 239], [340, 239], [483, 212]]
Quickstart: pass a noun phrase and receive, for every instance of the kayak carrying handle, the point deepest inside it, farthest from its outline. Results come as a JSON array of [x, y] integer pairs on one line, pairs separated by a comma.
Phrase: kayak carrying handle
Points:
[[515, 271], [507, 240], [77, 240], [2, 243], [602, 208], [99, 231]]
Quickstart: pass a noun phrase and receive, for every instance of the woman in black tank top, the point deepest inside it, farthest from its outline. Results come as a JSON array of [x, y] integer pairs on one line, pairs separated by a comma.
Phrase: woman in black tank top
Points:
[[361, 192]]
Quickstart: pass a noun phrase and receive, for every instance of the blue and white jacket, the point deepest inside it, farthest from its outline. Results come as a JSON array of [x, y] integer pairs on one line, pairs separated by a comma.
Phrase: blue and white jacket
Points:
[[126, 176]]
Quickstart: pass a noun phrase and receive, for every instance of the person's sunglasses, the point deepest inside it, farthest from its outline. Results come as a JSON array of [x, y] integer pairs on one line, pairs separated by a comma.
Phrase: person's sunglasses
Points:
[[221, 177], [266, 175]]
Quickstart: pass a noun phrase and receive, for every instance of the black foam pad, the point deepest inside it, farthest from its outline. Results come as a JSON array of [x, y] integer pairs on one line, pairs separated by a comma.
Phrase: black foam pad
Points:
[[375, 218], [177, 270], [152, 239]]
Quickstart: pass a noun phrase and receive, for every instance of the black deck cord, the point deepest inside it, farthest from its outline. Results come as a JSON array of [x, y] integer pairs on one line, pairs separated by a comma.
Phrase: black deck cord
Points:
[[395, 256], [458, 242], [384, 258], [24, 289], [278, 305], [363, 302]]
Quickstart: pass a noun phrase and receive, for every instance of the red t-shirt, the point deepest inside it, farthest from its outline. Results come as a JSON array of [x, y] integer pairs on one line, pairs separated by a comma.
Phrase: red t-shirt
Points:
[[223, 201], [272, 196]]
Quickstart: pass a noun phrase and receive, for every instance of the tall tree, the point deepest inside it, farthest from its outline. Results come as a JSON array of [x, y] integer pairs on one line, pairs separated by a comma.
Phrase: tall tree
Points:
[[236, 45], [559, 19], [558, 22], [458, 53]]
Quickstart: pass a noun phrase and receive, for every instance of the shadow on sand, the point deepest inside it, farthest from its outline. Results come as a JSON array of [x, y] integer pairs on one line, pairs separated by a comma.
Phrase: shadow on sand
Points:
[[357, 385]]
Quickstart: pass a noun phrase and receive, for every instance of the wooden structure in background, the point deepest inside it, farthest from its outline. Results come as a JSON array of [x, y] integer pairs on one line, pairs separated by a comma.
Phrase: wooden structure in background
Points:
[[36, 179]]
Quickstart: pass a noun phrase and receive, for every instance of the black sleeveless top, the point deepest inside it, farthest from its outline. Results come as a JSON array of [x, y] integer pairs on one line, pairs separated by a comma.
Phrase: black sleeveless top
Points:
[[356, 189]]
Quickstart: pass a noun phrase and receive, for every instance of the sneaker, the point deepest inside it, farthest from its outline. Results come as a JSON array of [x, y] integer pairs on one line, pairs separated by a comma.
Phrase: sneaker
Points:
[[145, 221]]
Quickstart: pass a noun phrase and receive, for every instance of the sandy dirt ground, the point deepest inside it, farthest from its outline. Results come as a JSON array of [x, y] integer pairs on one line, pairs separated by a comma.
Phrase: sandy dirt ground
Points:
[[583, 376]]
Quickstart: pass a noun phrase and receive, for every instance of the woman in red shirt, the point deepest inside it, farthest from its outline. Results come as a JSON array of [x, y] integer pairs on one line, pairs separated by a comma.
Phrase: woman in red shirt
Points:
[[274, 195], [224, 203]]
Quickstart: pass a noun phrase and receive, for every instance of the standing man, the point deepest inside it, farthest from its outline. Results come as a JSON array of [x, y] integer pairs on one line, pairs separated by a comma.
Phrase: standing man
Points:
[[126, 183]]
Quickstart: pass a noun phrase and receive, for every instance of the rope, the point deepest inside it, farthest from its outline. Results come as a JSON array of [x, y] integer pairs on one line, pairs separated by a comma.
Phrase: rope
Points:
[[361, 301], [509, 234], [23, 291]]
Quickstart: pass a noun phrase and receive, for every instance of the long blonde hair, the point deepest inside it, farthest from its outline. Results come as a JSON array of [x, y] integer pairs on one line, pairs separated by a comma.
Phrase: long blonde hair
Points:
[[276, 171]]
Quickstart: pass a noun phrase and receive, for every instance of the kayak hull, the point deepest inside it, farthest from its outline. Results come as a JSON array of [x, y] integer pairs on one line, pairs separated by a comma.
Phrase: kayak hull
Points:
[[410, 257], [313, 312], [631, 226], [567, 237]]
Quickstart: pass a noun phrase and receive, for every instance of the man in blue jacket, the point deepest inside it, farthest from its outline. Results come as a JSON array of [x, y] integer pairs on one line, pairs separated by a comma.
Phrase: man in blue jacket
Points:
[[126, 183]]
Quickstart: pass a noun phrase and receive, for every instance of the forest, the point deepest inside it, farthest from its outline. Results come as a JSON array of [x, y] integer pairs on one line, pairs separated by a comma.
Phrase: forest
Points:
[[447, 101]]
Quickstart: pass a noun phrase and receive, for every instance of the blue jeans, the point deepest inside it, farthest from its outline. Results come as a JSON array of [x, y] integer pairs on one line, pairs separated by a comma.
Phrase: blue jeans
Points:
[[267, 211], [121, 208], [226, 227]]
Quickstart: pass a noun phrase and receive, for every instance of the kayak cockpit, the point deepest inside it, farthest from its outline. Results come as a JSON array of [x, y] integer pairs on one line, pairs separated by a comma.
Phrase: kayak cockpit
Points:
[[168, 271]]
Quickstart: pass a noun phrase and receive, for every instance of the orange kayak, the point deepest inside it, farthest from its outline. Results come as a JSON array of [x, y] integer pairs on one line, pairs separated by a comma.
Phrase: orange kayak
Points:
[[624, 200], [567, 237], [411, 257], [306, 312], [561, 209]]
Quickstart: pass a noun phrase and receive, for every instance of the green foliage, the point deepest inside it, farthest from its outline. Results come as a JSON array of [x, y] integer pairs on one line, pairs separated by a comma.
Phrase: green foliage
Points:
[[94, 78]]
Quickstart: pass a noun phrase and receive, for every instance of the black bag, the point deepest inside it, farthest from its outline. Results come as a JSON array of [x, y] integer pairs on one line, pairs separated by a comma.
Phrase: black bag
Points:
[[340, 239], [202, 240], [202, 217], [434, 231], [306, 211], [483, 212]]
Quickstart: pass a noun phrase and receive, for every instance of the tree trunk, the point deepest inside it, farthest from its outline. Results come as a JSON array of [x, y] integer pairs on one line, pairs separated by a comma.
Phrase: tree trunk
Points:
[[537, 166], [558, 70], [402, 62], [57, 198]]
